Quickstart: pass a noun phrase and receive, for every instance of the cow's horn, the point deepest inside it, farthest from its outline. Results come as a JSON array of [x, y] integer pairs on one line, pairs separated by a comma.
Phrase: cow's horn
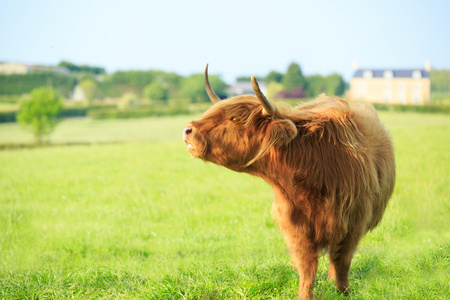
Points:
[[268, 107], [214, 98]]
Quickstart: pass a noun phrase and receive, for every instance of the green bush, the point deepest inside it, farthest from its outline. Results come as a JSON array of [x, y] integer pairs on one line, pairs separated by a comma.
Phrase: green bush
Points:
[[10, 99], [445, 109], [440, 98], [40, 112], [156, 91], [66, 112], [127, 101], [8, 116]]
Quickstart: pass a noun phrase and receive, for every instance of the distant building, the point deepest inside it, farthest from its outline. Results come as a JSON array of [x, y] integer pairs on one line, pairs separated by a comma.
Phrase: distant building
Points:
[[9, 68], [391, 86], [244, 88]]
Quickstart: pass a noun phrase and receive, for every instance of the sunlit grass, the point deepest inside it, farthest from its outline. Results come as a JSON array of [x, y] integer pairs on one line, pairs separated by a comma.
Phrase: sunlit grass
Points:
[[143, 220]]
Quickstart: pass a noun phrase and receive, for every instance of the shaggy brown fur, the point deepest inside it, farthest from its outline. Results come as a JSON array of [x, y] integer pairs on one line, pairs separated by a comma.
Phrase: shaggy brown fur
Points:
[[330, 163]]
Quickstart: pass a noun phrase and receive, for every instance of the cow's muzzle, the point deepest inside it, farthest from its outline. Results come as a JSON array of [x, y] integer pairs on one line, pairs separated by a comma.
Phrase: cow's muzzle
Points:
[[186, 137]]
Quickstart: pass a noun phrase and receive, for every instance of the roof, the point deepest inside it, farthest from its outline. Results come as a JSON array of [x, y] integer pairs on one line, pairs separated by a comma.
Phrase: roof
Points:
[[244, 87], [381, 73]]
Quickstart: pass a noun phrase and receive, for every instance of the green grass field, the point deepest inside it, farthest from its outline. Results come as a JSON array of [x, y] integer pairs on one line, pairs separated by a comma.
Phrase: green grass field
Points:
[[141, 220]]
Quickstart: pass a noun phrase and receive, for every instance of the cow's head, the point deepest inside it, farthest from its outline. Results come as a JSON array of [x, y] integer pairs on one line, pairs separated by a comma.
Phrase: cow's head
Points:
[[238, 132]]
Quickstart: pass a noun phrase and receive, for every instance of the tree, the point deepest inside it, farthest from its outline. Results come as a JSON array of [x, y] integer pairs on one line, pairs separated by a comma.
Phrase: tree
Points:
[[89, 88], [243, 79], [18, 84], [120, 82], [40, 112], [440, 81], [249, 79], [274, 76], [294, 78], [332, 84], [81, 68], [156, 91], [335, 84], [128, 100], [193, 88], [316, 85], [273, 89]]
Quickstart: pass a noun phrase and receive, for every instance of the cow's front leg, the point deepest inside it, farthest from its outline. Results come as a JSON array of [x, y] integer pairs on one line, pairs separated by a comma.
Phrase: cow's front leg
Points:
[[307, 269], [303, 251], [305, 260]]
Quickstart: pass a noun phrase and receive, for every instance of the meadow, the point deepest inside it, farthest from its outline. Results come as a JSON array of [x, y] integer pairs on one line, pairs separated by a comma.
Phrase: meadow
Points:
[[118, 210]]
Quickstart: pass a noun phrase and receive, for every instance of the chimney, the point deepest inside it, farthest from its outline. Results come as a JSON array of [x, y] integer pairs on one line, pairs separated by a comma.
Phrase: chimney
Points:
[[355, 65], [427, 66]]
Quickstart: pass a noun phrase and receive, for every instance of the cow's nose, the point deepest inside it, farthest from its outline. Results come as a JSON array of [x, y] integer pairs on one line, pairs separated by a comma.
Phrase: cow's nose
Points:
[[187, 131]]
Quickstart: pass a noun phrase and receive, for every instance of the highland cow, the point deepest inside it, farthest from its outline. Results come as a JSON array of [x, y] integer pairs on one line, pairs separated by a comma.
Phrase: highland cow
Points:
[[330, 163]]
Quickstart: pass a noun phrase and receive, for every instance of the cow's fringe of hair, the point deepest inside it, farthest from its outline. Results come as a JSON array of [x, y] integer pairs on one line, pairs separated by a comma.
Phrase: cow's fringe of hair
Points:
[[330, 146], [328, 124]]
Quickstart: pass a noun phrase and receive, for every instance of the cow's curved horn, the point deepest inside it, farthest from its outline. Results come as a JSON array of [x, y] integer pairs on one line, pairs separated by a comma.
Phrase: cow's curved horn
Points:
[[214, 98], [268, 107]]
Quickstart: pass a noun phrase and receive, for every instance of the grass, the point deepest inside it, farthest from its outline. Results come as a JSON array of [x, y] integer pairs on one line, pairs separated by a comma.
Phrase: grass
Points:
[[142, 220], [87, 131]]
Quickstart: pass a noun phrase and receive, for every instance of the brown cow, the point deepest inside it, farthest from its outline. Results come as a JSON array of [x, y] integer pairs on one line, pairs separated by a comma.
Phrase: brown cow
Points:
[[330, 163]]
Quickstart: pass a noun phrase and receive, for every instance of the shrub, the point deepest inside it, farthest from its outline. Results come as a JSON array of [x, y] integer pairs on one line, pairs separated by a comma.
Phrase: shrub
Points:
[[128, 100], [89, 88], [40, 112], [413, 108], [156, 91], [8, 116], [293, 94]]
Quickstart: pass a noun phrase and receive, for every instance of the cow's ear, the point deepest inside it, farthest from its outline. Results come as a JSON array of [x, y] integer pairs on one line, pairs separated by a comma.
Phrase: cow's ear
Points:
[[278, 133], [281, 132]]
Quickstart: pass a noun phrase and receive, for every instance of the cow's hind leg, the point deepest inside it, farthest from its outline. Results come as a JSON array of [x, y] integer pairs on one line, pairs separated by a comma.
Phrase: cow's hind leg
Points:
[[331, 272]]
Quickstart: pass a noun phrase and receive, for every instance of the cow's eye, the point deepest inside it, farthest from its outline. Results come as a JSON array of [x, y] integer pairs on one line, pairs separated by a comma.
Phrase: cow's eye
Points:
[[235, 120]]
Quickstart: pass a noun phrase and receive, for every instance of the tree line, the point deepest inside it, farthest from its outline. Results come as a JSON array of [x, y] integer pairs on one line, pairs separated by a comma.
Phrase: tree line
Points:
[[162, 86], [159, 85], [293, 84], [97, 84], [40, 110]]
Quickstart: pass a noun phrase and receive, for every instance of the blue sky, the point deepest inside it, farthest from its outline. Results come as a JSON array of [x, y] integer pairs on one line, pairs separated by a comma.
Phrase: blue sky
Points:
[[235, 37]]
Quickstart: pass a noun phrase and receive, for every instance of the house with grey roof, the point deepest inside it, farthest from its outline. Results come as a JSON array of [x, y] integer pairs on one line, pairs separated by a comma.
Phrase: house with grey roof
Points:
[[391, 86]]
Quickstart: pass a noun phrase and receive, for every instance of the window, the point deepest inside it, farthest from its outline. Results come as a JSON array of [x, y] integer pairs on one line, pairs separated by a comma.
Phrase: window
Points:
[[361, 91], [362, 88], [367, 74], [388, 74], [402, 91], [417, 74], [387, 93], [417, 94]]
